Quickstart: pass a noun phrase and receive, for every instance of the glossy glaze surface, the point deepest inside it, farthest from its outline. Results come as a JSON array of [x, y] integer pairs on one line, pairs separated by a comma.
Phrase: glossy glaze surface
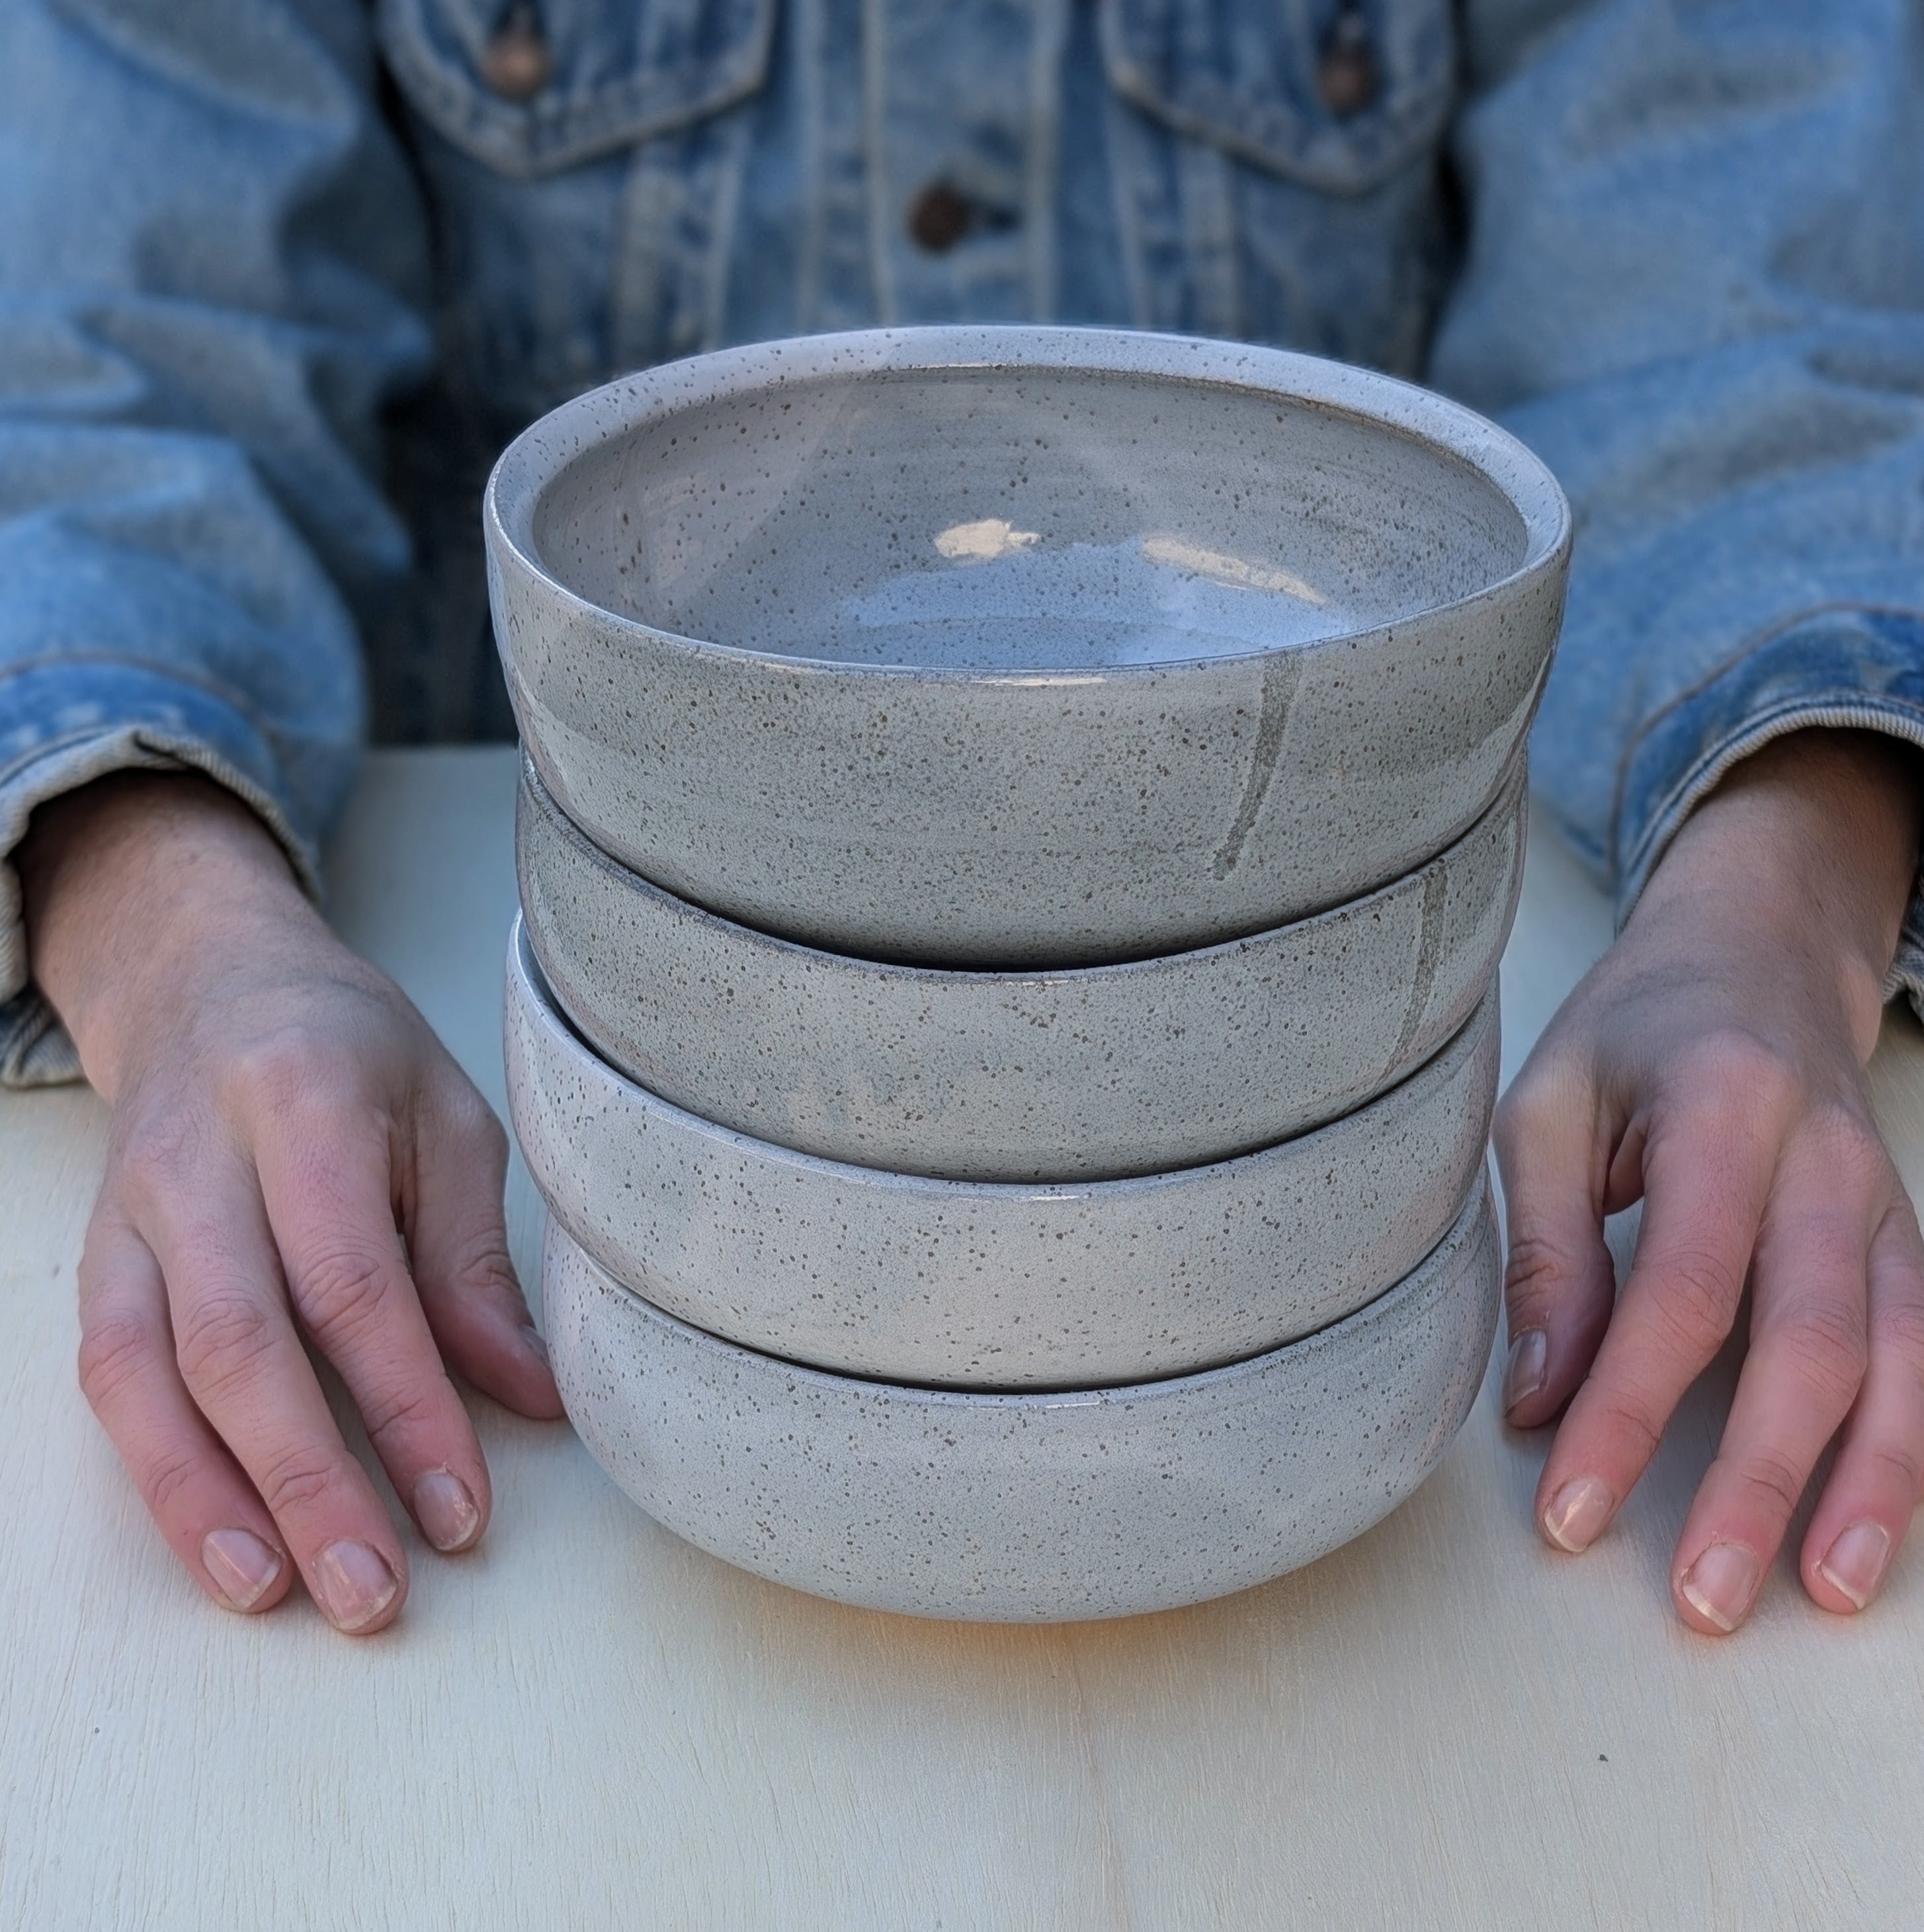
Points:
[[981, 1285], [1078, 1075], [1027, 1508], [1008, 646]]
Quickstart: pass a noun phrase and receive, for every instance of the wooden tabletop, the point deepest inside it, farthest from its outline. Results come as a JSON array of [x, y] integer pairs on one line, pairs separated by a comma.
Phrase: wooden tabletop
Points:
[[588, 1723]]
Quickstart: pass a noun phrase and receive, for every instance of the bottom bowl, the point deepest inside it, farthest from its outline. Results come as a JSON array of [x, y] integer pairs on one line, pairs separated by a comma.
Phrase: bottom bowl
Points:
[[1029, 1508]]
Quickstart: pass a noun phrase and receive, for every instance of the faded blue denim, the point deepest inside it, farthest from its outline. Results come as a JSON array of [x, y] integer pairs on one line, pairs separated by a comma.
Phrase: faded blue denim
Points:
[[278, 276]]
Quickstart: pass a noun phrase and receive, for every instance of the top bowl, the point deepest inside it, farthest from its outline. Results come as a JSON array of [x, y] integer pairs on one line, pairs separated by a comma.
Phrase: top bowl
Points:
[[1012, 646]]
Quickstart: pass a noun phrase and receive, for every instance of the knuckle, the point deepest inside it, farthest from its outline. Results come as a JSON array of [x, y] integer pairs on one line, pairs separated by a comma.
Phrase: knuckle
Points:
[[277, 1070], [1696, 1302], [456, 1117], [481, 1268], [1894, 1466], [158, 1156], [1898, 1331], [115, 1350], [1773, 1483], [1737, 1073], [470, 1118], [1861, 1149], [1539, 1264], [167, 1475], [221, 1340], [339, 1293], [1532, 1099], [1851, 1150], [403, 1411], [1623, 1419], [1826, 1343], [297, 1478], [305, 1088], [1511, 1121]]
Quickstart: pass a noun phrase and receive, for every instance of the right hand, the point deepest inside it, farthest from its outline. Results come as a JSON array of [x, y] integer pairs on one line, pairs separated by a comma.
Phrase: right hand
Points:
[[292, 1152]]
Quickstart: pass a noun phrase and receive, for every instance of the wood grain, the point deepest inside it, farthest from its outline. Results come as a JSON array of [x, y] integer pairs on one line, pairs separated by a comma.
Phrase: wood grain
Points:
[[588, 1724]]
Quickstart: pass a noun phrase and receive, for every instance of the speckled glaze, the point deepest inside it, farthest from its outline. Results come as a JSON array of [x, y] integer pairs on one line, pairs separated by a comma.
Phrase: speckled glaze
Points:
[[1027, 1509], [998, 647], [1091, 1074], [981, 1285]]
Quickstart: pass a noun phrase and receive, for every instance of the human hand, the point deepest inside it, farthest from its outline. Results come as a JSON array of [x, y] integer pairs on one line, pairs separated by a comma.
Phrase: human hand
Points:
[[291, 1151], [1711, 1064]]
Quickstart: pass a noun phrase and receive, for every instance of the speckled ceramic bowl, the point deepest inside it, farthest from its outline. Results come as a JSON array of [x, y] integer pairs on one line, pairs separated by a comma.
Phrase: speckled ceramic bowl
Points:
[[981, 1285], [1027, 1508], [1091, 1074], [1012, 647]]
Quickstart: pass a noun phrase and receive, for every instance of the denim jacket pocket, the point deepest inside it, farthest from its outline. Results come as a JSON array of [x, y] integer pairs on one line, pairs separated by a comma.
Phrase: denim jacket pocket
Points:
[[1254, 78], [619, 72]]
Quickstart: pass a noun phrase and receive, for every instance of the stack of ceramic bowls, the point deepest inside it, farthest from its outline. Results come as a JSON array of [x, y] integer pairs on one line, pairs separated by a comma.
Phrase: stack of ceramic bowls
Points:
[[1017, 831]]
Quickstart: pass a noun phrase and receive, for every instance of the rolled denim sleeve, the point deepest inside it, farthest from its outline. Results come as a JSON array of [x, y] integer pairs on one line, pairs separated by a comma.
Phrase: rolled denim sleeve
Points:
[[211, 267], [1694, 284]]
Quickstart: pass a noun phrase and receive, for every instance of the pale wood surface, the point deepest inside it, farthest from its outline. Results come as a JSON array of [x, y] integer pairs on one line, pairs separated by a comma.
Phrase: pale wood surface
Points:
[[589, 1724]]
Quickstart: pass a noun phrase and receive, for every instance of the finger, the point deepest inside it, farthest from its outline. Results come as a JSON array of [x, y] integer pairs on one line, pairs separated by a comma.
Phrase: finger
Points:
[[245, 1366], [1558, 1284], [329, 1194], [1706, 1175], [1801, 1373], [205, 1508], [1878, 1477], [459, 1242]]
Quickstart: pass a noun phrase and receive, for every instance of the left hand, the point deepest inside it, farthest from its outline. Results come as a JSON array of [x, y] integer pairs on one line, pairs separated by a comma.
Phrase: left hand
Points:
[[1711, 1064]]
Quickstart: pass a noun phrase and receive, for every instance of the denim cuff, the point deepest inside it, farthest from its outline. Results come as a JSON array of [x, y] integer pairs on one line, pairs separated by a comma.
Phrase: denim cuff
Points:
[[1847, 668], [65, 722]]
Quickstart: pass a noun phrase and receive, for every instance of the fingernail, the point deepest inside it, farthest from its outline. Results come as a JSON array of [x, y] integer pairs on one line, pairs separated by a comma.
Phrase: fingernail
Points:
[[242, 1566], [1529, 1358], [1577, 1513], [445, 1511], [536, 1346], [354, 1584], [1855, 1562], [1719, 1586]]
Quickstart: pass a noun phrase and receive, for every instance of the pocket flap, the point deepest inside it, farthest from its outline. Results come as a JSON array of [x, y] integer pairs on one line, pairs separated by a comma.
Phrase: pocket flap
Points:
[[620, 71], [1245, 76]]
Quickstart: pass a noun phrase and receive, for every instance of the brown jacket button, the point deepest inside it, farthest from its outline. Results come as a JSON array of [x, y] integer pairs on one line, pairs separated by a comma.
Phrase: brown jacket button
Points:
[[517, 64], [939, 217], [1347, 79]]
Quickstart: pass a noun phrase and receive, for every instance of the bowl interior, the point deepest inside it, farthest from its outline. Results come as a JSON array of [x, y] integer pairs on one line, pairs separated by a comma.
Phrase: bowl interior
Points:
[[1000, 519]]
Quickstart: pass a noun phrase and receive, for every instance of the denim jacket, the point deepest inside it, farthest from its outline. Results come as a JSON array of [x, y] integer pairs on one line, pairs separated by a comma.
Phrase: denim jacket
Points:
[[278, 277]]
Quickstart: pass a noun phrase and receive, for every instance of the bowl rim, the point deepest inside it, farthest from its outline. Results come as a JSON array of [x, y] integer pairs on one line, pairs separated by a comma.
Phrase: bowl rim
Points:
[[527, 986], [1465, 1228], [1386, 403]]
